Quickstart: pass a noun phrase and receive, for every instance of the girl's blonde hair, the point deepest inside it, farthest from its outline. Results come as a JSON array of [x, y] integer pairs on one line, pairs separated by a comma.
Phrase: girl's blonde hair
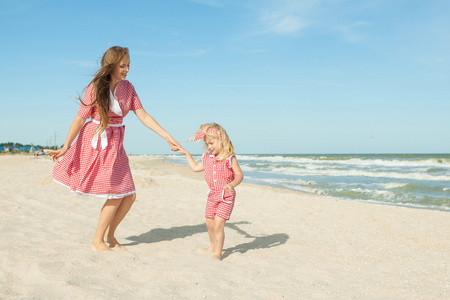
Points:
[[215, 131], [101, 82]]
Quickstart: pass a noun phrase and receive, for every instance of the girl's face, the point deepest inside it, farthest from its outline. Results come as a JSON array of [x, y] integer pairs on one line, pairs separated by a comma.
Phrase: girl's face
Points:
[[120, 71], [213, 146]]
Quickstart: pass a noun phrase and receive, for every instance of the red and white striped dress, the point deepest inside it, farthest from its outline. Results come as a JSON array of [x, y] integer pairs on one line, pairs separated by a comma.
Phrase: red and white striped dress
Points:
[[218, 173], [99, 166]]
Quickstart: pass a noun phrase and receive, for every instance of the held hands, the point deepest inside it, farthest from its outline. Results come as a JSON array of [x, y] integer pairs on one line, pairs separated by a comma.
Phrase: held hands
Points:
[[181, 150], [174, 145]]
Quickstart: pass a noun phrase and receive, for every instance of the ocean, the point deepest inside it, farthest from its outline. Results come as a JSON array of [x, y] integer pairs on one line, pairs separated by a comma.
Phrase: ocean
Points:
[[413, 180]]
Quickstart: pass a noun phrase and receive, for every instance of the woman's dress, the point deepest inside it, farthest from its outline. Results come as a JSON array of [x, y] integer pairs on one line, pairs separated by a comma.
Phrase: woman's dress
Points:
[[95, 164]]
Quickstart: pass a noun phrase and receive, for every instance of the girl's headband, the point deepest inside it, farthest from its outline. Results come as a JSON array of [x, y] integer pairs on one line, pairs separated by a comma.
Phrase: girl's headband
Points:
[[200, 135]]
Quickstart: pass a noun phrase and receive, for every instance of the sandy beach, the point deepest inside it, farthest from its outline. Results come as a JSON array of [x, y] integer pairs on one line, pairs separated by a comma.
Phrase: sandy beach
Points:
[[279, 244]]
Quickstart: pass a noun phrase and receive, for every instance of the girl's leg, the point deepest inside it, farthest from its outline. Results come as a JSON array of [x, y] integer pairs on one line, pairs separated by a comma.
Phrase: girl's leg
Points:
[[219, 234], [106, 215], [210, 227], [121, 212]]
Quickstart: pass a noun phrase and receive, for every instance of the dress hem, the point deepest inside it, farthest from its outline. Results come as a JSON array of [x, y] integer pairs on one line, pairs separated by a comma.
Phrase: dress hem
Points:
[[105, 196]]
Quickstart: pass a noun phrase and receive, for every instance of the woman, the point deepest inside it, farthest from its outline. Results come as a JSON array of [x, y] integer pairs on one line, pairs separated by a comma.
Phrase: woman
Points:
[[97, 164]]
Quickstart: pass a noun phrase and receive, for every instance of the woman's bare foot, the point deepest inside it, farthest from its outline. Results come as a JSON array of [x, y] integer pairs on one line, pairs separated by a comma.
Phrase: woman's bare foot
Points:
[[217, 257], [100, 247], [115, 244]]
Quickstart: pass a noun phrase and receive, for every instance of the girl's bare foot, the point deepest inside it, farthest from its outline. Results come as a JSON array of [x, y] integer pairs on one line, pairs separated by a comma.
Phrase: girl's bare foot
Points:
[[100, 247], [115, 244], [217, 257]]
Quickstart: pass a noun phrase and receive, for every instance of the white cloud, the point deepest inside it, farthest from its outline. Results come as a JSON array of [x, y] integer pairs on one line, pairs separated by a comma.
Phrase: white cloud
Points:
[[349, 31], [283, 23], [292, 17], [283, 17]]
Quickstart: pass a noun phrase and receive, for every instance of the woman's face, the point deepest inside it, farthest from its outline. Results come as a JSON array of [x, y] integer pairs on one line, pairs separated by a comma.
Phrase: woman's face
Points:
[[120, 71]]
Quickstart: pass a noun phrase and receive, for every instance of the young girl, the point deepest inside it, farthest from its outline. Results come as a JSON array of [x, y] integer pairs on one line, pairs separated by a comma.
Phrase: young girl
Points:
[[223, 174], [96, 164]]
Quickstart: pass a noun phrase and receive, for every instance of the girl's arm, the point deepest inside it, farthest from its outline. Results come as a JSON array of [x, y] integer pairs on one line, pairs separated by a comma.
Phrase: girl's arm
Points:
[[151, 123], [238, 176], [73, 132], [195, 166]]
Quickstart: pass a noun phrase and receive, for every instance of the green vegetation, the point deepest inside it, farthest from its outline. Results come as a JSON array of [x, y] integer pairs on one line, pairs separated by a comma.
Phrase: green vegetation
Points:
[[18, 147]]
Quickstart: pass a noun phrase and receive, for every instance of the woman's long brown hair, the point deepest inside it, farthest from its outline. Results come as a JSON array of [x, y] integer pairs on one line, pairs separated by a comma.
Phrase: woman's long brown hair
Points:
[[101, 82]]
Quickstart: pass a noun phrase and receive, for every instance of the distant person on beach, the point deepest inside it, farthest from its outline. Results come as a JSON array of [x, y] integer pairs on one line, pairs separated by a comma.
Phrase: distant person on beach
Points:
[[223, 175], [97, 164]]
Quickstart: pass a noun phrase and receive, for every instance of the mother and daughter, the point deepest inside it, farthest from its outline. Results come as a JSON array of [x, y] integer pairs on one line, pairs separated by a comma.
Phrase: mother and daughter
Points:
[[96, 163]]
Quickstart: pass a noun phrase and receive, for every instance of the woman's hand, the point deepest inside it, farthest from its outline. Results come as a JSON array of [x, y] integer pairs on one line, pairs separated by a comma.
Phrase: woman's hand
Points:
[[75, 128], [174, 145], [58, 153]]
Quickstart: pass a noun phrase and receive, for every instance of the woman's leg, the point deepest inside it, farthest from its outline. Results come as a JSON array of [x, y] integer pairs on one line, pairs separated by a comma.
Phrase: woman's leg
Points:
[[107, 213], [121, 212]]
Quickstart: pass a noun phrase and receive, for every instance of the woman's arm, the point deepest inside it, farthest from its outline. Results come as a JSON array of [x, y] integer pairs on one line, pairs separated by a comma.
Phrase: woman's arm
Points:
[[151, 123], [239, 176], [73, 132]]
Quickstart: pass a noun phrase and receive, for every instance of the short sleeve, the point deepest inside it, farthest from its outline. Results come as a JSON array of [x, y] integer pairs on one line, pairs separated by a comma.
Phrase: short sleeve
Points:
[[85, 110], [230, 164], [135, 102]]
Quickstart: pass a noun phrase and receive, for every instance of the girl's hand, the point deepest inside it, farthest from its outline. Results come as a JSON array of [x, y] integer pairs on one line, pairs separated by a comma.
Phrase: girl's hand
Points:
[[174, 145], [228, 188], [180, 150], [58, 153]]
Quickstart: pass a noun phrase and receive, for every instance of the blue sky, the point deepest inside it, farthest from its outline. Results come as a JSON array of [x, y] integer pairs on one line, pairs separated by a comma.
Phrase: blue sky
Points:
[[281, 76]]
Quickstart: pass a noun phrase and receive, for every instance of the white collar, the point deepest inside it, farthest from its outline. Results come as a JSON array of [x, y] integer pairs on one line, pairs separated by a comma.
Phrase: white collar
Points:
[[114, 104]]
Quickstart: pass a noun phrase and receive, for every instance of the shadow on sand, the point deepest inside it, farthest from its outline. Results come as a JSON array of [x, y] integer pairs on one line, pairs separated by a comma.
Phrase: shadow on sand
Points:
[[258, 242], [168, 234]]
